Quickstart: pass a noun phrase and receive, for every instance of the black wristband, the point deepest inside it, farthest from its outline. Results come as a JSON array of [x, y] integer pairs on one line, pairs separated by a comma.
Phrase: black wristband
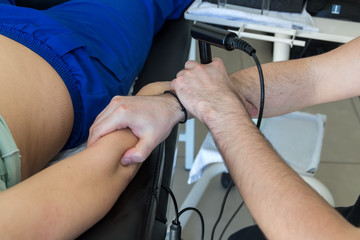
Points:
[[181, 106]]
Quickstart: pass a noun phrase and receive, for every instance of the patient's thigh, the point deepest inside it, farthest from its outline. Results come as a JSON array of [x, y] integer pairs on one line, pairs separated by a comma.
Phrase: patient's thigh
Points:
[[35, 104]]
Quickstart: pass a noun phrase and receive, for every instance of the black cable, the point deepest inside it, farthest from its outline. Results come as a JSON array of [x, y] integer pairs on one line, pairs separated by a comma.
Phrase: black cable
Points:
[[174, 201], [244, 46], [176, 227], [221, 209], [201, 219], [230, 220], [262, 90], [235, 42], [304, 50], [210, 35]]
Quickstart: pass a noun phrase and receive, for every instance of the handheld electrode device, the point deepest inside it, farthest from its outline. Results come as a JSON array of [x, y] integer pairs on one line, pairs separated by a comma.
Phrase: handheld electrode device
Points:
[[208, 35]]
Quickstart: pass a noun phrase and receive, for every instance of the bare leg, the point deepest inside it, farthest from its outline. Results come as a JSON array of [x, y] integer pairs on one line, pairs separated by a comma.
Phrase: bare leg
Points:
[[35, 104]]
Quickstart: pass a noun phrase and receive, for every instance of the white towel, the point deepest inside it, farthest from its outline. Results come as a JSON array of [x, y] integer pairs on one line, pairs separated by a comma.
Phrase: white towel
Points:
[[295, 21], [207, 155]]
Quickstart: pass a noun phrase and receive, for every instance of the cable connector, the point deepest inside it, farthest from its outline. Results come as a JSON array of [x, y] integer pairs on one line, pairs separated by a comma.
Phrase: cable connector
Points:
[[242, 45], [175, 230]]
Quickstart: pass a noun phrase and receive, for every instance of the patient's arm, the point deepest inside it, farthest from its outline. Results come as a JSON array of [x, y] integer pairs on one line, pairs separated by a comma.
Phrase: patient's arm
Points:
[[293, 85], [67, 198]]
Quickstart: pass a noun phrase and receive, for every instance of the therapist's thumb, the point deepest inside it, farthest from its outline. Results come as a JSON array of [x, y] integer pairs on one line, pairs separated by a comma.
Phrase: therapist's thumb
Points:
[[137, 154]]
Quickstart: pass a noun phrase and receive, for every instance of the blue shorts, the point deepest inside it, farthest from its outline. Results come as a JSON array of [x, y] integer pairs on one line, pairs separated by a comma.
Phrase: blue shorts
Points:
[[98, 47]]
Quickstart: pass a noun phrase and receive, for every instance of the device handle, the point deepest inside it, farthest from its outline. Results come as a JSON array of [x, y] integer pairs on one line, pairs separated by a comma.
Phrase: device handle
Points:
[[205, 52]]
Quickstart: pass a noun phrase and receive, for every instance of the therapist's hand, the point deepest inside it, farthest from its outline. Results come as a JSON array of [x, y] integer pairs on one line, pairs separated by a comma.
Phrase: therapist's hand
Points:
[[207, 92], [151, 119]]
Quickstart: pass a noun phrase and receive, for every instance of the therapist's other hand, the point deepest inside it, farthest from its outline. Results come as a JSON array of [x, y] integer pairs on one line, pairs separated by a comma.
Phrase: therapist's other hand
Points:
[[207, 89], [151, 119]]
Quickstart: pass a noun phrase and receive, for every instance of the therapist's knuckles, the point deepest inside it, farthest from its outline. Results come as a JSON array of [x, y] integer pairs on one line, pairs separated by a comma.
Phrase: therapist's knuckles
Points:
[[180, 73], [190, 64], [115, 101]]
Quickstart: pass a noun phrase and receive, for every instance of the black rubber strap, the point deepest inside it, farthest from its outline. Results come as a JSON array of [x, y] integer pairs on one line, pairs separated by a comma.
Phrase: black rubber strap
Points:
[[181, 106]]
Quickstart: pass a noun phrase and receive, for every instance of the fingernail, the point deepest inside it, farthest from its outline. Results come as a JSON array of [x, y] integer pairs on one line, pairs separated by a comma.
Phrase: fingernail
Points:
[[125, 161]]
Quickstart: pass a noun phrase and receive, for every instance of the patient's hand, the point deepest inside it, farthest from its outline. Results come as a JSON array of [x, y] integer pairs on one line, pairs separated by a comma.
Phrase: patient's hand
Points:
[[151, 119]]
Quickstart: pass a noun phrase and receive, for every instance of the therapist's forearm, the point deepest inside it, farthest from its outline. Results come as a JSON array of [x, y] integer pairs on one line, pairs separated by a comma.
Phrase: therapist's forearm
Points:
[[67, 198], [283, 205]]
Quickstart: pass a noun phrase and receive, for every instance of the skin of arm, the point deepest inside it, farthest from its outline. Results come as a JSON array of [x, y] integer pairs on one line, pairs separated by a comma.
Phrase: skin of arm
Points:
[[64, 200], [283, 205], [292, 85], [67, 198]]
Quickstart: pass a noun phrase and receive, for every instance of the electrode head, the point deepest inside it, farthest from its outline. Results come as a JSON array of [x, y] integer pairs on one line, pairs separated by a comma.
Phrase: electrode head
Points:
[[213, 35]]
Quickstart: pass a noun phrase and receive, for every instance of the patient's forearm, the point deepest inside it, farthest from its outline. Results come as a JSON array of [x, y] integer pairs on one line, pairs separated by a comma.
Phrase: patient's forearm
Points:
[[292, 85], [67, 198], [155, 88], [287, 88]]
